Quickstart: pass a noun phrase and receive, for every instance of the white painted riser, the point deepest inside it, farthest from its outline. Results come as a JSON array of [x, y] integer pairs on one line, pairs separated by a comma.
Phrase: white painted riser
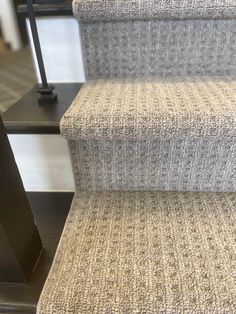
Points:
[[43, 161], [61, 48]]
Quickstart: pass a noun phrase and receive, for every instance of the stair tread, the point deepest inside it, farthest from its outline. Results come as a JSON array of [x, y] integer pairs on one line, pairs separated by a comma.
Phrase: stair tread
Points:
[[145, 252], [154, 107], [117, 10]]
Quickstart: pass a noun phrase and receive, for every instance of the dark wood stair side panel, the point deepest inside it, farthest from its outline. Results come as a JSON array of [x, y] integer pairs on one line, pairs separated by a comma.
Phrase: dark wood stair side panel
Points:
[[50, 210], [28, 117], [8, 261], [19, 235]]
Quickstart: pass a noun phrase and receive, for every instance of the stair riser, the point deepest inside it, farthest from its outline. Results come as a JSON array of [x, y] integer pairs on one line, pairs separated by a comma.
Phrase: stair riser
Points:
[[191, 164], [155, 47]]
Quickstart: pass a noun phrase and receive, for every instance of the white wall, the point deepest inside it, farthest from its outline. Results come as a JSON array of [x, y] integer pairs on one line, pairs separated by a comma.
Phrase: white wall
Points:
[[9, 26], [61, 48], [43, 161]]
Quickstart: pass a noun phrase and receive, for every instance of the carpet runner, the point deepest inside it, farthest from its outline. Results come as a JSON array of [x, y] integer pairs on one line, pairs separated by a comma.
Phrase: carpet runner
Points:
[[152, 136], [145, 252]]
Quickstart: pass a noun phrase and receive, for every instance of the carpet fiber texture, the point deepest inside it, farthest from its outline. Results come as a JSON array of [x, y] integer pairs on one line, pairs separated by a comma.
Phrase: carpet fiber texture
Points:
[[157, 47], [146, 38], [152, 135], [117, 10], [159, 134], [144, 252], [152, 108]]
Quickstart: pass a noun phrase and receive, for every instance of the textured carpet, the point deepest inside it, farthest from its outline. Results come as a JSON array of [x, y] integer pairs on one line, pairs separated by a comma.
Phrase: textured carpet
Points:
[[158, 112], [152, 108], [118, 10], [172, 134], [17, 76], [144, 252], [150, 37], [157, 47]]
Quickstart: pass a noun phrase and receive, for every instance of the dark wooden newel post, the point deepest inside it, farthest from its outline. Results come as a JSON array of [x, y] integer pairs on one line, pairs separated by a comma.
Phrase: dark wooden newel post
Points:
[[20, 244]]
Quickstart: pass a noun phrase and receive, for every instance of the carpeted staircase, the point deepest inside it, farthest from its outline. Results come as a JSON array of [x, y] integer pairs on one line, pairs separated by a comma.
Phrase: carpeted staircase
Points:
[[152, 136]]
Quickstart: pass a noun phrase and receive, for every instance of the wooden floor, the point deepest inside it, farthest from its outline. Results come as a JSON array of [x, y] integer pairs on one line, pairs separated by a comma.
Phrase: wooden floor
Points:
[[17, 75], [50, 211]]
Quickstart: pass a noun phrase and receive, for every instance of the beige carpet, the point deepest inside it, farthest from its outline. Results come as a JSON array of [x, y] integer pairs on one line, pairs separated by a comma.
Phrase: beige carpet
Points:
[[17, 75], [170, 134], [146, 253], [169, 124]]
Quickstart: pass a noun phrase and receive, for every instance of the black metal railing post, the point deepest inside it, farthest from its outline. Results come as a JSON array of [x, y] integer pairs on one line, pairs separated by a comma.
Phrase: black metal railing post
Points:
[[46, 90]]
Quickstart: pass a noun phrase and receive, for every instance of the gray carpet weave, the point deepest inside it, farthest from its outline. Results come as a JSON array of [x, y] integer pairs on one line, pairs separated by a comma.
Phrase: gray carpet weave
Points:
[[167, 134], [144, 252], [158, 113], [147, 48], [149, 37], [118, 10]]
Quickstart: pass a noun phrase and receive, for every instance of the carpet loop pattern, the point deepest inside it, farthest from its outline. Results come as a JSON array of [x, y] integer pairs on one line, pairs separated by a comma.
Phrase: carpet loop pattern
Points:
[[152, 137]]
